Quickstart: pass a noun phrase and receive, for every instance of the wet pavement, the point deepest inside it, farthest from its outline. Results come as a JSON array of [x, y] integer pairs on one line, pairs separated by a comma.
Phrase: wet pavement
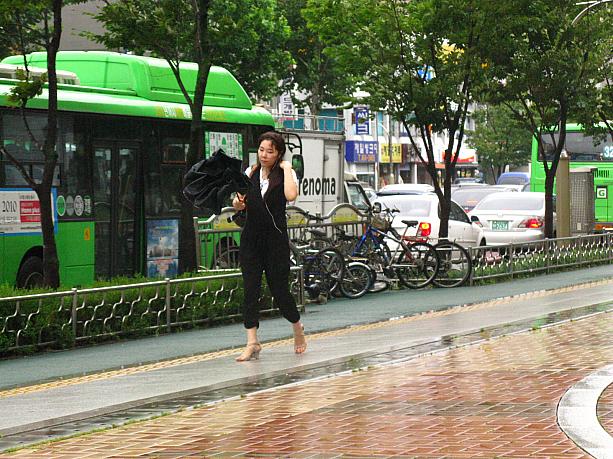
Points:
[[493, 399], [521, 376]]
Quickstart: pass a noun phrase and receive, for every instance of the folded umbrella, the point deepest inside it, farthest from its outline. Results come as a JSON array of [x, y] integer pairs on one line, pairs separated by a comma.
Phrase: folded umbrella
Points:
[[210, 182]]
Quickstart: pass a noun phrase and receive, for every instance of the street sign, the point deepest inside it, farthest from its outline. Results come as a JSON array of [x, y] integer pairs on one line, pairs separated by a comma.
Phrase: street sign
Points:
[[362, 122]]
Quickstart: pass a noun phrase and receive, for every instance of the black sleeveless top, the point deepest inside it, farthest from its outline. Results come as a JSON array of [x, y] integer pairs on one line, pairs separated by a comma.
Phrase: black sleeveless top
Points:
[[266, 213]]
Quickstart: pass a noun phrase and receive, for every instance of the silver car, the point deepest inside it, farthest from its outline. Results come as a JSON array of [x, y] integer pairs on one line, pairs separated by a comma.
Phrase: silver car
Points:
[[511, 217]]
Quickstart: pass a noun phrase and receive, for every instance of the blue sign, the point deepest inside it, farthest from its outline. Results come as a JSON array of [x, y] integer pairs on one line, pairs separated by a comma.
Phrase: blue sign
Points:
[[426, 73], [358, 151], [362, 121]]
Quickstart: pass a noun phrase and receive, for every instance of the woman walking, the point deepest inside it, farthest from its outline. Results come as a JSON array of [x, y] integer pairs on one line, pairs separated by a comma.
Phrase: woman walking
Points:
[[264, 244]]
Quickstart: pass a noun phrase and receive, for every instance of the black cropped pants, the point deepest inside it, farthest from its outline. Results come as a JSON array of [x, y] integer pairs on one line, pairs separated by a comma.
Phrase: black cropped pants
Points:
[[266, 253]]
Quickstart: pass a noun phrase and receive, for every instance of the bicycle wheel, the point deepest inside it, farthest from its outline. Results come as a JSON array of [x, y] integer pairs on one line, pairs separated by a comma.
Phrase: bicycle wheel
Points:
[[455, 265], [324, 268], [417, 265], [356, 281], [377, 256]]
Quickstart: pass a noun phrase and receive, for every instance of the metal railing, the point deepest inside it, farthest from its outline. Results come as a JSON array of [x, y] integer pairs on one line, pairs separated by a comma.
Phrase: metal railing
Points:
[[64, 319], [218, 240], [512, 260]]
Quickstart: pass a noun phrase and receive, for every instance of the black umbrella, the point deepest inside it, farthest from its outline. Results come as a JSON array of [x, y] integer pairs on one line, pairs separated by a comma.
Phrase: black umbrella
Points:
[[209, 183]]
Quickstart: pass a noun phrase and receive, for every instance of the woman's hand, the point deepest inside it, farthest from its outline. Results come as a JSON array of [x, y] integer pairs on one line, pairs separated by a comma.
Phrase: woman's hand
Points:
[[285, 165], [239, 201]]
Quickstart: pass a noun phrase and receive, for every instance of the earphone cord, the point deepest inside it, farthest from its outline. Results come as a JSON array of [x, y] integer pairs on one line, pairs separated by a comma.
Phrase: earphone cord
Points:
[[273, 218]]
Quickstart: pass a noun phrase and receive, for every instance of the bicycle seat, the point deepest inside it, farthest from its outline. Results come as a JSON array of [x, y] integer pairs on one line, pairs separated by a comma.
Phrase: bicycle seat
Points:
[[410, 222], [318, 233]]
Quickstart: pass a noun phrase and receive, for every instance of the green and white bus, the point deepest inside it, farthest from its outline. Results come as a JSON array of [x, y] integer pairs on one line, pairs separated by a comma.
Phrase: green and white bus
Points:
[[582, 152], [123, 137]]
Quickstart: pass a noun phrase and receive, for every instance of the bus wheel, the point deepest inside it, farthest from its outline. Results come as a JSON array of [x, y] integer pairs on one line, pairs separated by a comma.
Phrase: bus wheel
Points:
[[30, 273]]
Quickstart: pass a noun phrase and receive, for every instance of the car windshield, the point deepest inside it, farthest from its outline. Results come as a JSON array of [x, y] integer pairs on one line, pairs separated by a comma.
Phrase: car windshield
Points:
[[412, 207], [357, 197], [513, 202]]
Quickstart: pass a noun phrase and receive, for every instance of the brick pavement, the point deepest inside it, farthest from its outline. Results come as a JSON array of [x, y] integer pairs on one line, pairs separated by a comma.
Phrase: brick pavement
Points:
[[496, 399], [605, 410]]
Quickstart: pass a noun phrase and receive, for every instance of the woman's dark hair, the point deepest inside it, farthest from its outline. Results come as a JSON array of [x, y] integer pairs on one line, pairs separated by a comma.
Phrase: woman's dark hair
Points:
[[276, 139]]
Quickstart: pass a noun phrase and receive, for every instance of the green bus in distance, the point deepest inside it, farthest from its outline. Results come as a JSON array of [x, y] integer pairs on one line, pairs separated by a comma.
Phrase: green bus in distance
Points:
[[582, 152], [123, 136]]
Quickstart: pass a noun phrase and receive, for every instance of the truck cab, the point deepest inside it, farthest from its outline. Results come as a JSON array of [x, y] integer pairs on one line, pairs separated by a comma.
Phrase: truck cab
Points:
[[354, 193]]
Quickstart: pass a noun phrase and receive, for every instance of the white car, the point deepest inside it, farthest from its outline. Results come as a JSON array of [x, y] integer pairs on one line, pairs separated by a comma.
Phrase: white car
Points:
[[424, 208], [511, 217]]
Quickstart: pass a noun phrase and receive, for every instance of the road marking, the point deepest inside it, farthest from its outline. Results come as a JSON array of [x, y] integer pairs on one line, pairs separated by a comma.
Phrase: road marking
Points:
[[576, 414]]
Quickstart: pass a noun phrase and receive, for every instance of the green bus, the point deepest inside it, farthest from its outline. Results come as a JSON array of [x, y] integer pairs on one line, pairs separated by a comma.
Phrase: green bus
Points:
[[123, 137], [582, 152]]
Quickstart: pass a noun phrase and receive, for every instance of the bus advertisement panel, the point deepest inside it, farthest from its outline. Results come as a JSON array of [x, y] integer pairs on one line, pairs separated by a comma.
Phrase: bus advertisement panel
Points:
[[20, 211]]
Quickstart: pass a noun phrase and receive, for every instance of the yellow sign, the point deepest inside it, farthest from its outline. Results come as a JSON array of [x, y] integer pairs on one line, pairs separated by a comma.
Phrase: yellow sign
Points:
[[396, 153], [87, 234]]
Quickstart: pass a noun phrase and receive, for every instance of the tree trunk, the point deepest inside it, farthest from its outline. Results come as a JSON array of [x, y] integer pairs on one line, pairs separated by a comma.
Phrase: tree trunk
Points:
[[51, 265], [549, 209], [187, 236]]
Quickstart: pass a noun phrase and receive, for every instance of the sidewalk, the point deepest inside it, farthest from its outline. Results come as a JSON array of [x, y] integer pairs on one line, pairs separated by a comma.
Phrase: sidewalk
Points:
[[338, 313], [335, 335]]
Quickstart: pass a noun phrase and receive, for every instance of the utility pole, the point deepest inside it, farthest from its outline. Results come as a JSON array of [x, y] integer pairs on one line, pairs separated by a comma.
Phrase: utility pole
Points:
[[377, 153], [389, 147]]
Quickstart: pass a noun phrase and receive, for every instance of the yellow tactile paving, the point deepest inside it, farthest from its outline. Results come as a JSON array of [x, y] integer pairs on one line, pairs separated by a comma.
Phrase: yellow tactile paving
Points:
[[229, 352]]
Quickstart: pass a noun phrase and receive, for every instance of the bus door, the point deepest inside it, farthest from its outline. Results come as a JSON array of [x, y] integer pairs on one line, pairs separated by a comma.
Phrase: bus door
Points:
[[117, 212]]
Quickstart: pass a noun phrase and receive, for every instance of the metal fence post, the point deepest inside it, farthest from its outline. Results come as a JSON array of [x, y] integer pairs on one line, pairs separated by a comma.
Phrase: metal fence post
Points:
[[167, 279], [73, 313], [472, 269], [512, 260]]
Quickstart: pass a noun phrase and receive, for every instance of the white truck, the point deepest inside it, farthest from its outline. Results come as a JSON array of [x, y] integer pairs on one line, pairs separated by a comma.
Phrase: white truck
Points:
[[325, 183]]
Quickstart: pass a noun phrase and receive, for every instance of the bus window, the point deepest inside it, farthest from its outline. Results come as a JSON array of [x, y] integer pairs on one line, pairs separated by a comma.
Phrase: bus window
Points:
[[581, 147], [12, 177]]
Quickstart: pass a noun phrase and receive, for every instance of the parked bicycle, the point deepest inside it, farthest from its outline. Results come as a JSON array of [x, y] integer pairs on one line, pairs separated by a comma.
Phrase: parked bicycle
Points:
[[356, 279], [414, 263]]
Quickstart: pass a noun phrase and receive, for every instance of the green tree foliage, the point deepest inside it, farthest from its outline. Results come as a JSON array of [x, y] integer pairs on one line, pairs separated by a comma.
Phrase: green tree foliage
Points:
[[544, 71], [499, 139], [596, 113], [419, 60], [25, 26], [314, 74]]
